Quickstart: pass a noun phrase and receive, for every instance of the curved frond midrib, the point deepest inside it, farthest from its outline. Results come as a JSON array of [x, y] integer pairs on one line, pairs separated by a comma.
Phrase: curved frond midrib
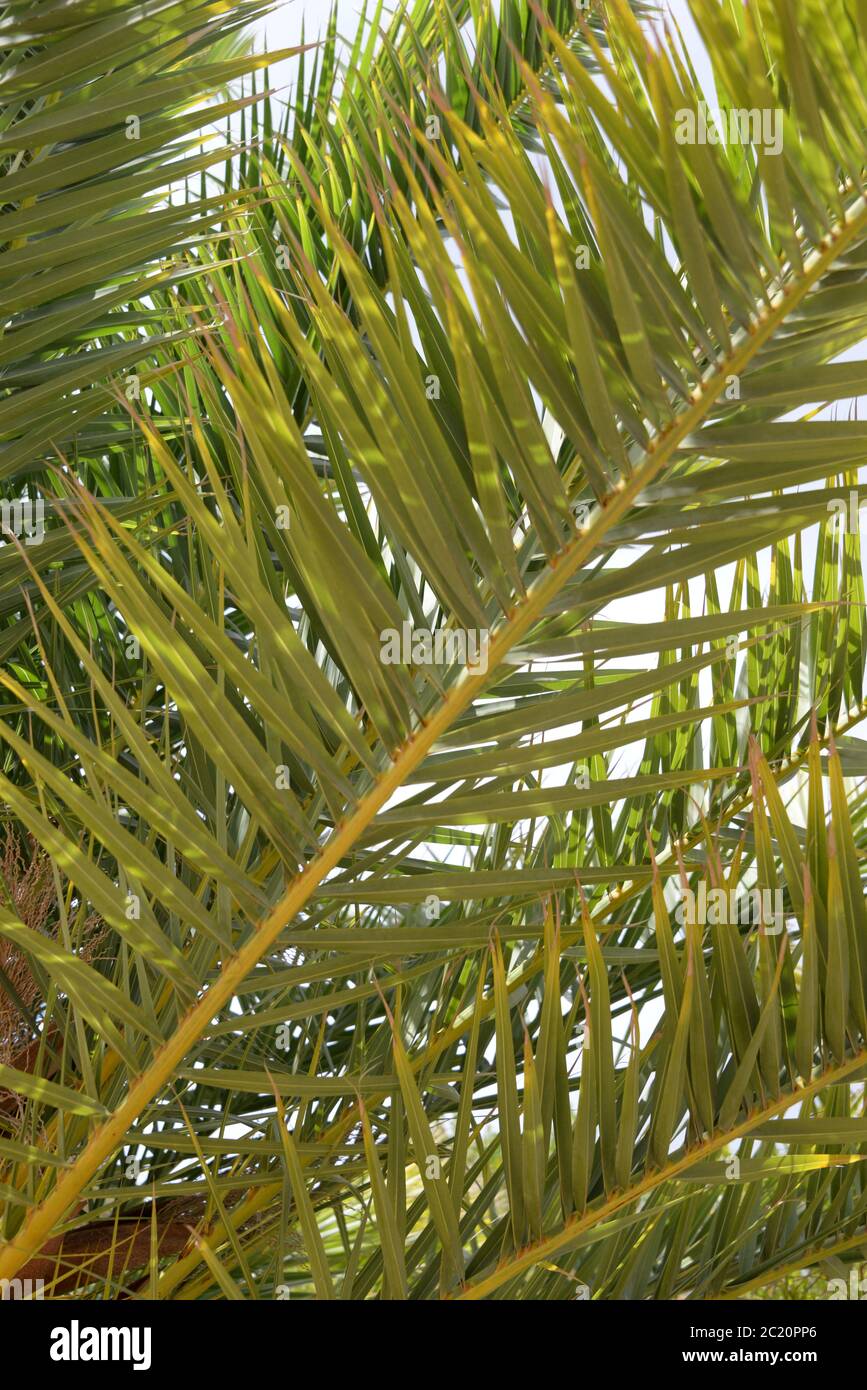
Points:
[[681, 1164], [43, 1219]]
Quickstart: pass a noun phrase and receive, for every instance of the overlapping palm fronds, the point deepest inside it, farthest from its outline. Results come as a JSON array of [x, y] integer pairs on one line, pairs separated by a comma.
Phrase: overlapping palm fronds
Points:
[[408, 984]]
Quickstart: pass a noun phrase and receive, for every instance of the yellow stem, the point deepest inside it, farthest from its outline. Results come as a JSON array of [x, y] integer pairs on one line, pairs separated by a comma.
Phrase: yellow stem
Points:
[[561, 1240], [809, 1257], [42, 1219], [261, 1196]]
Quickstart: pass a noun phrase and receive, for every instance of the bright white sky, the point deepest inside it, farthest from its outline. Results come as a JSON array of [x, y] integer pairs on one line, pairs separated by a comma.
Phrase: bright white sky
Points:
[[284, 26], [282, 29]]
